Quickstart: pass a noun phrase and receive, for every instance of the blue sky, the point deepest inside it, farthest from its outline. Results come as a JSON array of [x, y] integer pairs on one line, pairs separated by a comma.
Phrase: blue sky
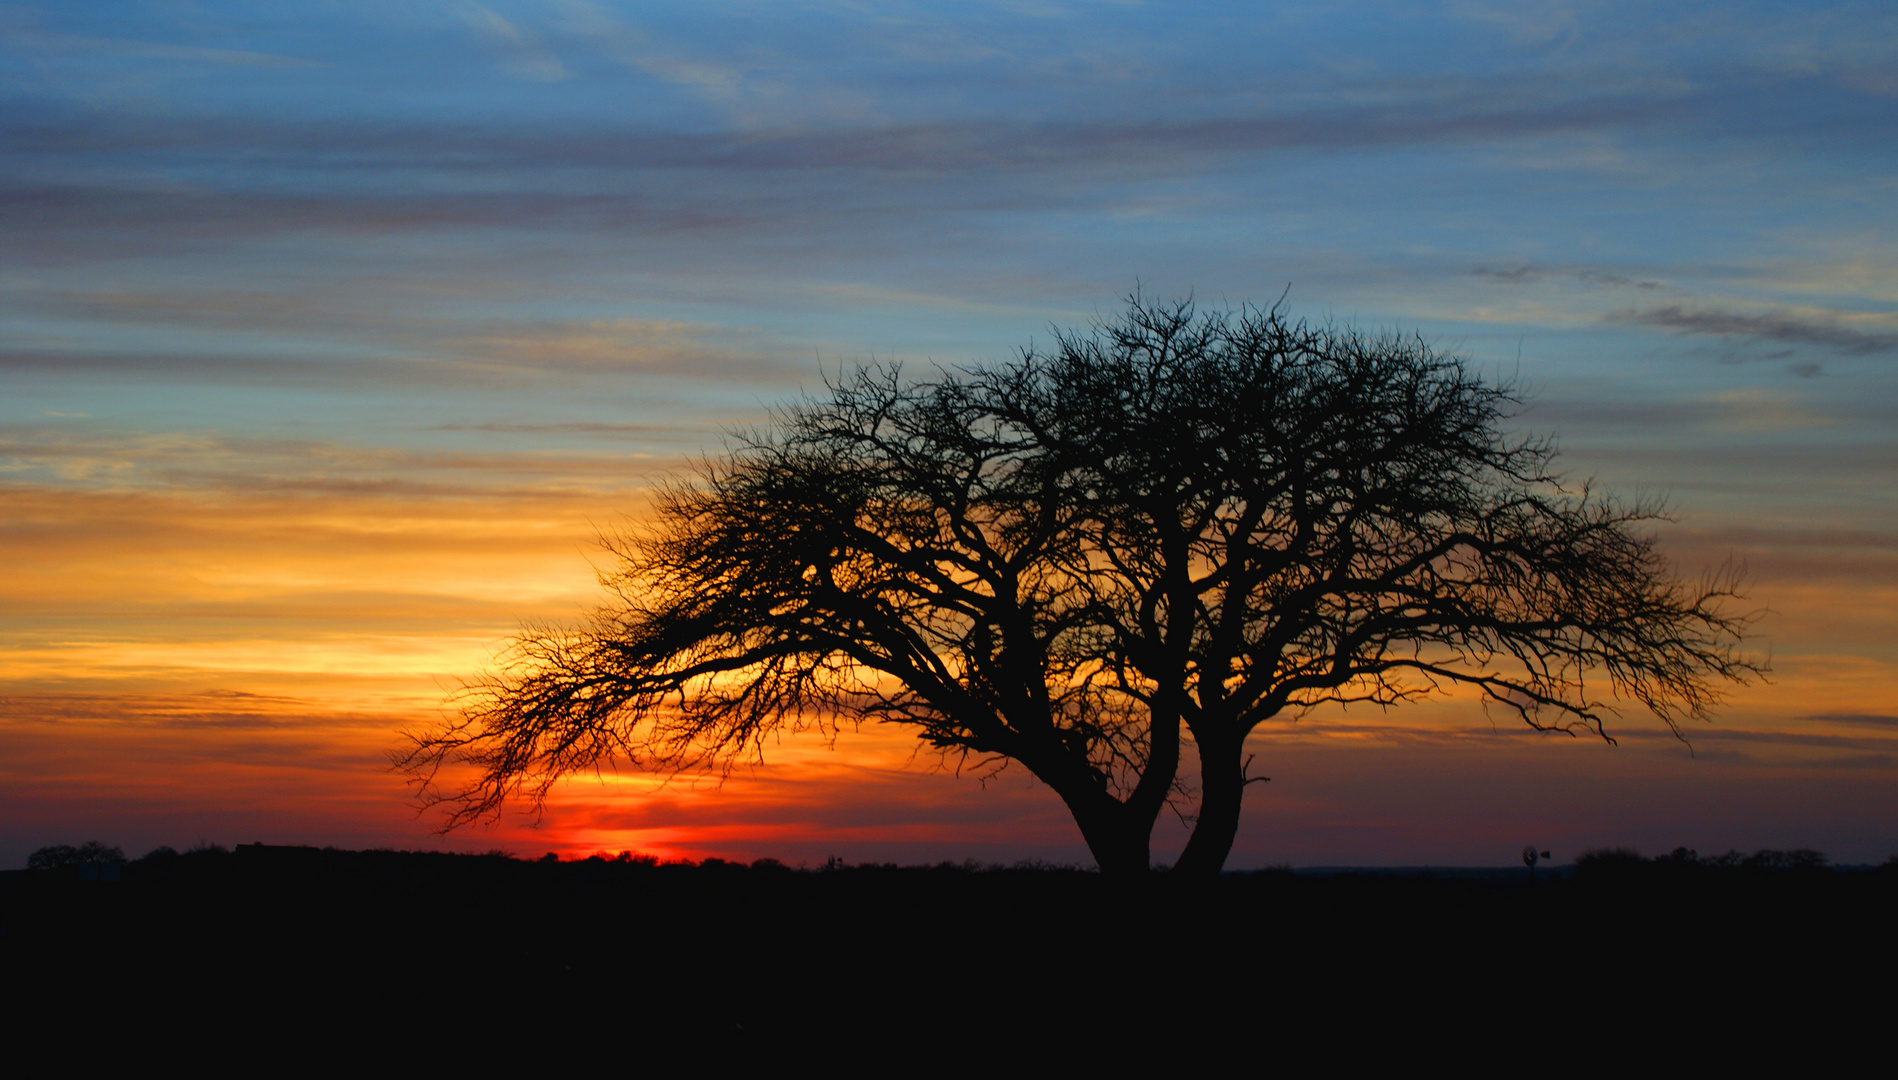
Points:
[[445, 255]]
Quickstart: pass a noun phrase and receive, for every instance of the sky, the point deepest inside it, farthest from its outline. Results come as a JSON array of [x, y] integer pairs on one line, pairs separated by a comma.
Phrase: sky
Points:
[[333, 334]]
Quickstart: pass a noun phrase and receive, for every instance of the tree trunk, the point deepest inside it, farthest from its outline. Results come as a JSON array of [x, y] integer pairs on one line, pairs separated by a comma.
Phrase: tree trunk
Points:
[[1222, 790], [1118, 834], [1119, 839]]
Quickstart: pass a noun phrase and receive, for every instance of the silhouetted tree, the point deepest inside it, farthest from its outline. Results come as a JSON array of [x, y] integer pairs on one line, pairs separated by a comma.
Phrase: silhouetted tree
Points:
[[55, 856], [1162, 531]]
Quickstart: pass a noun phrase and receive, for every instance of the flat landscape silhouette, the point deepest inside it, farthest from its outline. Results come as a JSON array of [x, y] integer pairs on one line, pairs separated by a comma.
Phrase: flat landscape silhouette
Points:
[[724, 956], [725, 430]]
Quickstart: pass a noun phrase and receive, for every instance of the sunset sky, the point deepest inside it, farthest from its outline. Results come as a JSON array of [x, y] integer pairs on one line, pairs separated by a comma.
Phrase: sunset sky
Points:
[[332, 334]]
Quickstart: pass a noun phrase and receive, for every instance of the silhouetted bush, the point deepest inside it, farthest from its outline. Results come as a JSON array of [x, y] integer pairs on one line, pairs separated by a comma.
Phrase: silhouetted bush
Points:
[[1767, 860], [1606, 857], [57, 855], [1621, 862], [1785, 861]]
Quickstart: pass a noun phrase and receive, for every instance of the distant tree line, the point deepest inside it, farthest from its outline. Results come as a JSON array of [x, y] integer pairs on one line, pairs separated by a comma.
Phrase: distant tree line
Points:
[[1596, 862], [95, 852], [1604, 862], [55, 856]]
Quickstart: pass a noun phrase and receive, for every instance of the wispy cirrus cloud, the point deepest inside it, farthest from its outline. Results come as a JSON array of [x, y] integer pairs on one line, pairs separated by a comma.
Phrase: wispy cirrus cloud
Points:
[[1335, 115], [1788, 328], [457, 463], [1525, 273], [1740, 409], [520, 50], [606, 430], [287, 338], [1130, 144], [1872, 720], [645, 346]]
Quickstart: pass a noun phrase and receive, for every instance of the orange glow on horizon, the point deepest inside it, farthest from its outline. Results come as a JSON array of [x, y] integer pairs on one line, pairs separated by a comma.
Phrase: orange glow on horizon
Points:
[[250, 662]]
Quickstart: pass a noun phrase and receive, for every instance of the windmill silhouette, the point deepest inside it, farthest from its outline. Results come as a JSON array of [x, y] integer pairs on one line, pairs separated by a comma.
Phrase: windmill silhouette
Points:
[[1530, 856]]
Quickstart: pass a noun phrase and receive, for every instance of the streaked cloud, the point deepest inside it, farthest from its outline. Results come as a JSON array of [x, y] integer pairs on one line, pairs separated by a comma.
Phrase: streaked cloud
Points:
[[1874, 720], [617, 345], [1345, 117], [1742, 408], [1515, 275], [1785, 327], [522, 54], [260, 465]]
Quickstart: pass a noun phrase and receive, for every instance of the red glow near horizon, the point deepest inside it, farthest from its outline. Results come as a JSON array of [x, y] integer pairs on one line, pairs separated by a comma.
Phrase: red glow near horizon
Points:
[[249, 697]]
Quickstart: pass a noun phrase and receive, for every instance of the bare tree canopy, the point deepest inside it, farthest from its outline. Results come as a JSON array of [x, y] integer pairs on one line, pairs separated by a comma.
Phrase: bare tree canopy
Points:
[[1157, 533]]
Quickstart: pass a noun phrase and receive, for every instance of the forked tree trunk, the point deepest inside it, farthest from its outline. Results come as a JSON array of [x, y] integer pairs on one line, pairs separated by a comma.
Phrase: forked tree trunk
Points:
[[1120, 834], [1120, 842], [1121, 838]]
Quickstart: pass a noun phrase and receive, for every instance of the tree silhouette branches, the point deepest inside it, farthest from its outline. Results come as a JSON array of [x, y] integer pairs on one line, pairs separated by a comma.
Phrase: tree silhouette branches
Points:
[[1165, 530]]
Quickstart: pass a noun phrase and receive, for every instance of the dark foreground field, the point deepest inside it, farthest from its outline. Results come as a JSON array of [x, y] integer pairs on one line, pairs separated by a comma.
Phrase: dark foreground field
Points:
[[727, 956]]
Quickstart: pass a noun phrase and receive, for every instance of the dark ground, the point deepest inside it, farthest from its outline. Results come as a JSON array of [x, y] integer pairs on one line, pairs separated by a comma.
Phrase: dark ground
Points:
[[727, 957]]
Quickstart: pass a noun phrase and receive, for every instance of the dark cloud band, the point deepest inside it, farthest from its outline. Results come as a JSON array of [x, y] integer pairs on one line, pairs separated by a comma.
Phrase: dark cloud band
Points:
[[1783, 328]]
